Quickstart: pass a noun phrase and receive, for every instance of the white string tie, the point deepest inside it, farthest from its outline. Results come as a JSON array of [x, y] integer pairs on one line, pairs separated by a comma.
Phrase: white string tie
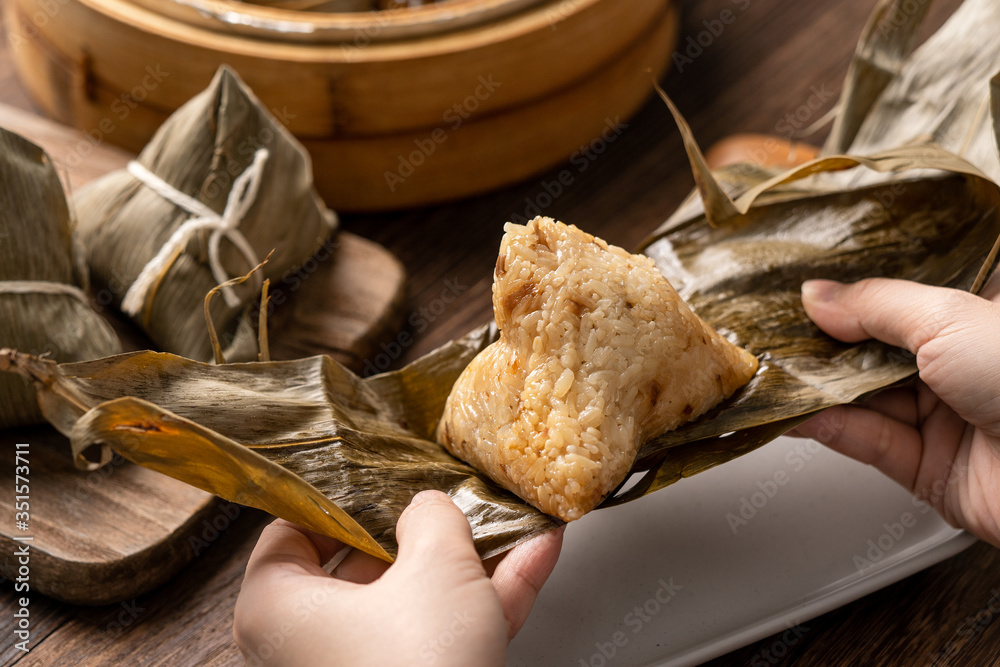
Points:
[[42, 287], [241, 198]]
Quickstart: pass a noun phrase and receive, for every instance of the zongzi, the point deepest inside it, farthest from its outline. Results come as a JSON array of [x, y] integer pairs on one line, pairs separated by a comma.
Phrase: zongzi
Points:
[[597, 353], [44, 307], [221, 184]]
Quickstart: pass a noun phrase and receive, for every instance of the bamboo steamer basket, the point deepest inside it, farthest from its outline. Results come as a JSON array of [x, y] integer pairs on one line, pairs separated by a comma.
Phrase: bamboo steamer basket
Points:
[[398, 108]]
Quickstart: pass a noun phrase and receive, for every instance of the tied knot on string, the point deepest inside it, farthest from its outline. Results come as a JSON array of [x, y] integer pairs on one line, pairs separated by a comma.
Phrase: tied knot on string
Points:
[[241, 198]]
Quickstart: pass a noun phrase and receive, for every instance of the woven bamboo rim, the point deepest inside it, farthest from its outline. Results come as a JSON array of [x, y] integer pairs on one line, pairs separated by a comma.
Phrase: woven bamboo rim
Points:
[[359, 110], [328, 27]]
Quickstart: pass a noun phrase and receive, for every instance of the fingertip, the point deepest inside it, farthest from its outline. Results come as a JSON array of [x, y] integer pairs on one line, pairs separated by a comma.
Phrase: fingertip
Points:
[[433, 503], [284, 542], [820, 291], [555, 538], [430, 496], [432, 525], [519, 577], [326, 547], [823, 427], [819, 299], [542, 551], [822, 301], [359, 568]]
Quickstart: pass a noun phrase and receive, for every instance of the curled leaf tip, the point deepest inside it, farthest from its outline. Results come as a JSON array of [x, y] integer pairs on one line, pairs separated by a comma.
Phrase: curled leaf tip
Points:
[[213, 335], [719, 208]]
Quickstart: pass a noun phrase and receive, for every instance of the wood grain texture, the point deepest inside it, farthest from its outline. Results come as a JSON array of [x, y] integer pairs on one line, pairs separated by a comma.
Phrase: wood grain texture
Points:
[[98, 537], [767, 64], [188, 622]]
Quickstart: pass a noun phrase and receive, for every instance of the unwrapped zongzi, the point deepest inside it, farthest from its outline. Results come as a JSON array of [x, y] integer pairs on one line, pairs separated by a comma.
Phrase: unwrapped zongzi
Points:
[[597, 353]]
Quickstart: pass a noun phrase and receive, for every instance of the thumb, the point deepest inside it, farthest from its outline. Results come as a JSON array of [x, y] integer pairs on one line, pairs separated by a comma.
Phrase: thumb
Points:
[[433, 531], [953, 334], [898, 312]]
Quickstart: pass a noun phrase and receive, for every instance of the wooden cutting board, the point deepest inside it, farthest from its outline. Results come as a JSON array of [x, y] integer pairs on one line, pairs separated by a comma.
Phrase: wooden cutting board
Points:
[[110, 535]]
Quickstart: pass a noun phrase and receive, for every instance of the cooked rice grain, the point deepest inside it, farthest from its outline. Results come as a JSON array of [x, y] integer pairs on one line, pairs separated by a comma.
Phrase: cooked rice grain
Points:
[[597, 353]]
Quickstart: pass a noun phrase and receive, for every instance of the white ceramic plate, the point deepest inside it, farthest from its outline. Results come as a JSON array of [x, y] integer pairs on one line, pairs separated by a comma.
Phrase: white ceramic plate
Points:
[[735, 554]]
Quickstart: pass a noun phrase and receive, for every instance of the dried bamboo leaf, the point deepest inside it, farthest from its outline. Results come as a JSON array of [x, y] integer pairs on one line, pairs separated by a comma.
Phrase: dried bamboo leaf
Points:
[[44, 308], [213, 335], [886, 41], [829, 228], [744, 279], [158, 440], [761, 185], [995, 106], [940, 93], [263, 347], [718, 206], [363, 443], [367, 445]]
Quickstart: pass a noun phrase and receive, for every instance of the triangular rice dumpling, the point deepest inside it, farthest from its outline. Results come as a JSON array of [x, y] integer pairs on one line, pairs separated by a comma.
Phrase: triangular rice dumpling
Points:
[[43, 302], [220, 185], [597, 353]]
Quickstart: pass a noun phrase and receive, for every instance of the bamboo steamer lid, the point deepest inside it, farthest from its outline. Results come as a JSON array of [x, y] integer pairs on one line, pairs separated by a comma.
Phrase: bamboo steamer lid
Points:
[[398, 108]]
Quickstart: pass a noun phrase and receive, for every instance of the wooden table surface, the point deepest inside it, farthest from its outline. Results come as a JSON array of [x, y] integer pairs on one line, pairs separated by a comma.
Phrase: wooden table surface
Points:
[[777, 58]]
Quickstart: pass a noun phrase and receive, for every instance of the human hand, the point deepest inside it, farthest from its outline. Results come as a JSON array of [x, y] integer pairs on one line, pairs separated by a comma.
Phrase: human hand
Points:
[[939, 437], [435, 605]]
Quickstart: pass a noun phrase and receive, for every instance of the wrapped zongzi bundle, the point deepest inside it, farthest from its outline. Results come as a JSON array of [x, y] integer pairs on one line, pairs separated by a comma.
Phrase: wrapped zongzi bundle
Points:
[[597, 353], [43, 300], [220, 185]]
